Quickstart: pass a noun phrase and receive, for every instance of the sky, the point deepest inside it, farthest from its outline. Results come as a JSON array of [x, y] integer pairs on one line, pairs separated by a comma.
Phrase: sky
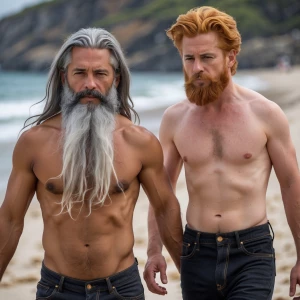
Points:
[[13, 6]]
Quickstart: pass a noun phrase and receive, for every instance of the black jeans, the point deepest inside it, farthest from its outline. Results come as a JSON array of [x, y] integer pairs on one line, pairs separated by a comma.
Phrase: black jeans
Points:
[[125, 285], [237, 265]]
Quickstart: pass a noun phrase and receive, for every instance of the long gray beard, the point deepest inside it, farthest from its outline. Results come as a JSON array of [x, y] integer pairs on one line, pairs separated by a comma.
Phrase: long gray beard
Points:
[[87, 149]]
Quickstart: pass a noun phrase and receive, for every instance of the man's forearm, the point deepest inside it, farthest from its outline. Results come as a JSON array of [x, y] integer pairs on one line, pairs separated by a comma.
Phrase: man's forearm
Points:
[[291, 200], [170, 229], [9, 238], [154, 240]]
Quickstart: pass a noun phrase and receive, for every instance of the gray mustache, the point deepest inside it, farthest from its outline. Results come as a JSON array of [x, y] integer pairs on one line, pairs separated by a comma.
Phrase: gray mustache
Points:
[[86, 93]]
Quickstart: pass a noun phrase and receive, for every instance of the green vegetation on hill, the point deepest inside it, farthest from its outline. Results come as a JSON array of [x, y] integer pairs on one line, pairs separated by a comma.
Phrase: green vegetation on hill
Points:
[[254, 17], [268, 29]]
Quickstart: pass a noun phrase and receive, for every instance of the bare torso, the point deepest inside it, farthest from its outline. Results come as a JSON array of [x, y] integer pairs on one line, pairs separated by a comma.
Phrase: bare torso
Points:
[[226, 162], [97, 245]]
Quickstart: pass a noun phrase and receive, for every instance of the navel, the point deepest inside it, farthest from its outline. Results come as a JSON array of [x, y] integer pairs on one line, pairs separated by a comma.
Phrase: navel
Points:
[[218, 216]]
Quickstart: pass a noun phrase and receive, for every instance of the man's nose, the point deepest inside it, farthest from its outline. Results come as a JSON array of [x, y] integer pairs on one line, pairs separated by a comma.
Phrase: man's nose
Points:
[[90, 82], [198, 66]]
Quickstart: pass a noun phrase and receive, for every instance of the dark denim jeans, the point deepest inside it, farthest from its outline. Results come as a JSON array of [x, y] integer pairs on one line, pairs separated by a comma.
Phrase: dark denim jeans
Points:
[[238, 265], [125, 285]]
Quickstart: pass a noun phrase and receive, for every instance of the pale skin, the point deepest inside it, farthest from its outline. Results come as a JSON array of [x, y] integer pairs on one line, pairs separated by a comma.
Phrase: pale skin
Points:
[[228, 148], [100, 244]]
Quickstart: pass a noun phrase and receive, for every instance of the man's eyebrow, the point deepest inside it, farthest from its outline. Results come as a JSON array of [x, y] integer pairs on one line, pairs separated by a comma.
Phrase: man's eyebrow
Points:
[[79, 69], [94, 70], [100, 70], [207, 53], [188, 55]]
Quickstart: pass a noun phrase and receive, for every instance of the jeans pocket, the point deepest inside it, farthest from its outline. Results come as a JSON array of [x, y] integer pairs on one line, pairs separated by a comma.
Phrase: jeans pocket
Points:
[[119, 296], [259, 247], [131, 289], [45, 291], [189, 247]]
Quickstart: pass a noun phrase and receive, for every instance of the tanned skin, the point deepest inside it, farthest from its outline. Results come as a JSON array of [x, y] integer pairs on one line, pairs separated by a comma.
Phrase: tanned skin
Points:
[[100, 244]]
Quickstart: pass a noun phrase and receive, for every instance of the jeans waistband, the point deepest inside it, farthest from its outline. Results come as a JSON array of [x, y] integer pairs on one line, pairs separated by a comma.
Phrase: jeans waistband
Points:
[[86, 286], [240, 235]]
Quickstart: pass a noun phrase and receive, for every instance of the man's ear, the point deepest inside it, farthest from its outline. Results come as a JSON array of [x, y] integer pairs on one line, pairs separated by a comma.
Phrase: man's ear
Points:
[[117, 80], [231, 57], [62, 77]]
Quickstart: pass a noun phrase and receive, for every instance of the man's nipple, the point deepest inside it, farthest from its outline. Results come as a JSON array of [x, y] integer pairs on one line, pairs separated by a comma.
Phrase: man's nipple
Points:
[[247, 155]]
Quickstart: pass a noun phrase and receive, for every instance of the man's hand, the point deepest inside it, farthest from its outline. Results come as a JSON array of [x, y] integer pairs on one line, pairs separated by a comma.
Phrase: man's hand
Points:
[[294, 280], [155, 264]]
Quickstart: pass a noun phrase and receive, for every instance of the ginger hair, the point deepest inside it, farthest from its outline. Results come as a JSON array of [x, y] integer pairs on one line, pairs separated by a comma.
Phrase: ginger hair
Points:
[[203, 20]]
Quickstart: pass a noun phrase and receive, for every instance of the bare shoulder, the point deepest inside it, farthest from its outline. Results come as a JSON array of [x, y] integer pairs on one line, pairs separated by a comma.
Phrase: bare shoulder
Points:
[[267, 112], [263, 108], [38, 133], [175, 114], [138, 136], [178, 109], [37, 136]]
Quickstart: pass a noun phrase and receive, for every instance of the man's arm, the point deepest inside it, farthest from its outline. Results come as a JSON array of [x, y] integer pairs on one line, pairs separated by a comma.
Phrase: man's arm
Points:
[[283, 157], [19, 193], [173, 164], [155, 182]]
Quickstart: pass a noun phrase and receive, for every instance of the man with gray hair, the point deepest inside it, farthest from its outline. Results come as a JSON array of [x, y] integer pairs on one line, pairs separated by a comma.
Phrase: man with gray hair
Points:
[[85, 160]]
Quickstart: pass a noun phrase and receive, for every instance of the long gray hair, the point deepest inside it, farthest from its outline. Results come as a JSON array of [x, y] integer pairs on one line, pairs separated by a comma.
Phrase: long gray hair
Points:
[[93, 174], [97, 38]]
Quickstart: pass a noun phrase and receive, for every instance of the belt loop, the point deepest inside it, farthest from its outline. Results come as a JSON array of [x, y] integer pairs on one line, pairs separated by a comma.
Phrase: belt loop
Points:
[[109, 285], [60, 285], [237, 237], [197, 242], [273, 234]]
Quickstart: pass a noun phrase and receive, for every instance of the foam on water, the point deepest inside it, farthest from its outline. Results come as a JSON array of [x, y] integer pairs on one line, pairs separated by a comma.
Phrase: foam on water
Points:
[[18, 109]]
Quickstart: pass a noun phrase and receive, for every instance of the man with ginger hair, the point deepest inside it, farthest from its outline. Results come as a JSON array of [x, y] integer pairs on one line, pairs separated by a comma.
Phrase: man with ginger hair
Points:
[[86, 160], [228, 138]]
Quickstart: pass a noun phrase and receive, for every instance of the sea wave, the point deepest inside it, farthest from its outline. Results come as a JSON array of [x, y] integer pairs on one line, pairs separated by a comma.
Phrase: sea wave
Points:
[[148, 91]]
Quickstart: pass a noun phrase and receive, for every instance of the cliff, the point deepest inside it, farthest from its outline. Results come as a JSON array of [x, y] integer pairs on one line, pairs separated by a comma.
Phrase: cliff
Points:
[[31, 38]]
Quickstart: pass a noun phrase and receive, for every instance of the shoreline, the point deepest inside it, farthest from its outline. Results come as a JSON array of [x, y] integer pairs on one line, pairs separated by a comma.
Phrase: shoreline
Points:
[[20, 279]]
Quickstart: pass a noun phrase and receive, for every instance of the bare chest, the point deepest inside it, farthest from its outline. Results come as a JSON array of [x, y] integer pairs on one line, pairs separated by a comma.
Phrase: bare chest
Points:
[[226, 139], [48, 167]]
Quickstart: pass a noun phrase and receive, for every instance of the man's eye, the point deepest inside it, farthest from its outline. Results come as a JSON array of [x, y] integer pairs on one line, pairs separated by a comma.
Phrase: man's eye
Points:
[[189, 58]]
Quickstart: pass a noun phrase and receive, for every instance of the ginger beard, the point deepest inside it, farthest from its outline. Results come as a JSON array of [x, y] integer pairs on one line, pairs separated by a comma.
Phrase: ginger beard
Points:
[[202, 95], [87, 147]]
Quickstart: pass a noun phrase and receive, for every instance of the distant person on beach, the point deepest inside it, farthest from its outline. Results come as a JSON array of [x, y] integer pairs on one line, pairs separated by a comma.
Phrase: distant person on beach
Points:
[[228, 138], [284, 63], [85, 160]]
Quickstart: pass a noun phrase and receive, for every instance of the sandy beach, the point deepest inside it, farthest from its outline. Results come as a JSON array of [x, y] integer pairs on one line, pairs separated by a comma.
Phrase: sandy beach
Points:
[[22, 274]]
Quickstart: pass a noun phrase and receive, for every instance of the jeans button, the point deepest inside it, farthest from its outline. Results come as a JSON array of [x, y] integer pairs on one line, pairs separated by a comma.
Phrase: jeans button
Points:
[[88, 286], [219, 239]]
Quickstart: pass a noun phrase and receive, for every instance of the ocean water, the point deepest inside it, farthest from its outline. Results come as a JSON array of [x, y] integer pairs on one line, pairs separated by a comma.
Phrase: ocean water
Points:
[[19, 91]]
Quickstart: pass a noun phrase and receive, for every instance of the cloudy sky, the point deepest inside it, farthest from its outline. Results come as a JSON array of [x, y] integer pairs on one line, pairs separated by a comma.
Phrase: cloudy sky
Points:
[[12, 6]]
